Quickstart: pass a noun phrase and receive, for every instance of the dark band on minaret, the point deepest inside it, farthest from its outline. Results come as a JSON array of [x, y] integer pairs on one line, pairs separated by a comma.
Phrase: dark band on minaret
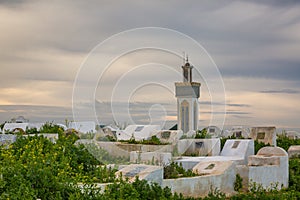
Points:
[[187, 71]]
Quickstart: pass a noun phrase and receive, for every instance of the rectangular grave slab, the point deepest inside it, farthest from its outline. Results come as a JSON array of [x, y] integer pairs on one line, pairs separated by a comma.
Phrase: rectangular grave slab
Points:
[[149, 173]]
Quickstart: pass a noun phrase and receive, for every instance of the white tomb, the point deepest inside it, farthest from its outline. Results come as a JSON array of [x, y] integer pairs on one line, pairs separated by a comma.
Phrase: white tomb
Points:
[[138, 132], [269, 168]]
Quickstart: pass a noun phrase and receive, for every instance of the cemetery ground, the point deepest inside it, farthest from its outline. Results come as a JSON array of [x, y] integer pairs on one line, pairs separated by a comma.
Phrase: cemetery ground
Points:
[[36, 168]]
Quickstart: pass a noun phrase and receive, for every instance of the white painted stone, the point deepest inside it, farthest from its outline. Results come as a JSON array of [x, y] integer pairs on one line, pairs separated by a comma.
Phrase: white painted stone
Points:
[[293, 135], [199, 147], [169, 136], [190, 162], [233, 150], [266, 135], [153, 158], [294, 151], [222, 177], [138, 132], [6, 139], [269, 167], [237, 131], [149, 173], [13, 126], [35, 125], [238, 148], [214, 131], [83, 127]]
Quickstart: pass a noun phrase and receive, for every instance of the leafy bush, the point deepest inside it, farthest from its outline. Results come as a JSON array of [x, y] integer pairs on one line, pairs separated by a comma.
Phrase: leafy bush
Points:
[[152, 141], [173, 170], [202, 134], [238, 184]]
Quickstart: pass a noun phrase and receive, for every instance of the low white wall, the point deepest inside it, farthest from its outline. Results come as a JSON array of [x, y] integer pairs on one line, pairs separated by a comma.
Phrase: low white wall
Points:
[[269, 167], [154, 158], [200, 186]]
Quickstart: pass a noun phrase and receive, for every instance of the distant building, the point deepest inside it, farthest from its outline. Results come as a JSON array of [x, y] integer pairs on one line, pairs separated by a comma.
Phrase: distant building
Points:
[[187, 94], [19, 119]]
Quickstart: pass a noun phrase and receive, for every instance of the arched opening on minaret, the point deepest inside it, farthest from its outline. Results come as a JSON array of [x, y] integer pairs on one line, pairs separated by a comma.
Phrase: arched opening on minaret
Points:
[[185, 116]]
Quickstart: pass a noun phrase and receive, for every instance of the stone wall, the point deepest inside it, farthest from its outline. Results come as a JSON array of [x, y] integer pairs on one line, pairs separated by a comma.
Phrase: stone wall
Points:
[[199, 186], [269, 168]]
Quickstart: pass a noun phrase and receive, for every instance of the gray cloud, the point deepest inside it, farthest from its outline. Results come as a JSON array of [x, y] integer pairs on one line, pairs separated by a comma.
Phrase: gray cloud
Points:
[[282, 91], [45, 42]]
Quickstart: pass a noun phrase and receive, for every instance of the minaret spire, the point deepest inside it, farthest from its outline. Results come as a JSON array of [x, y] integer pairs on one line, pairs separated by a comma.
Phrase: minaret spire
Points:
[[187, 70]]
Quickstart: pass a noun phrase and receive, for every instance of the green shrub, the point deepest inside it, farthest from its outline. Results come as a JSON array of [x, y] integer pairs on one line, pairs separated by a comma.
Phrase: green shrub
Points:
[[238, 184], [173, 170]]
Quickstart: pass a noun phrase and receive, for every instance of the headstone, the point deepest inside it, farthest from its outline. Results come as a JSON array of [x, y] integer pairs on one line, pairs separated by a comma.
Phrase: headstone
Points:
[[238, 148], [199, 147], [169, 136], [266, 135], [294, 151], [138, 132]]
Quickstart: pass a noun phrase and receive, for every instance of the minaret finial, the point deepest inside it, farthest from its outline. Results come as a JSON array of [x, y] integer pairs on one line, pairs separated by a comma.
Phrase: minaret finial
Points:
[[187, 58]]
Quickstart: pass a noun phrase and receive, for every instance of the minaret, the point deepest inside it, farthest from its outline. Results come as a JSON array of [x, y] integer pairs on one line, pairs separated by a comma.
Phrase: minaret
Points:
[[187, 94]]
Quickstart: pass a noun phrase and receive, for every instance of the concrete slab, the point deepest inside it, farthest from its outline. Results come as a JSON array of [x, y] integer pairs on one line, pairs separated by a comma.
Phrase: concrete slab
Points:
[[149, 173]]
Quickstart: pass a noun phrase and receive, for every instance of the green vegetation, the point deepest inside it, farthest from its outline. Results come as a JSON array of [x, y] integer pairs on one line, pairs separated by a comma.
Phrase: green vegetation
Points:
[[284, 142], [173, 170], [238, 184], [152, 141], [202, 134]]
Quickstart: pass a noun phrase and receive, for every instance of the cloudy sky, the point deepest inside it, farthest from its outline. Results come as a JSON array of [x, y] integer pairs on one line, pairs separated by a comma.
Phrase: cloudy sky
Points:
[[254, 44]]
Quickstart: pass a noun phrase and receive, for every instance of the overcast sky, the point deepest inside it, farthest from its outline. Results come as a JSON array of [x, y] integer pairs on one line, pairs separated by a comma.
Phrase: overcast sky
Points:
[[255, 45]]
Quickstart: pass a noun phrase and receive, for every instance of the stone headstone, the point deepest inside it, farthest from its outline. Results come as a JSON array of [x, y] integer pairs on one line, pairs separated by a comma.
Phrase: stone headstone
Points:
[[294, 151], [199, 147], [266, 135], [238, 148]]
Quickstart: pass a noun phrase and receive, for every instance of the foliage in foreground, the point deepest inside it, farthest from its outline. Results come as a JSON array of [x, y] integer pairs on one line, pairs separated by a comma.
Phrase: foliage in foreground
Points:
[[33, 167]]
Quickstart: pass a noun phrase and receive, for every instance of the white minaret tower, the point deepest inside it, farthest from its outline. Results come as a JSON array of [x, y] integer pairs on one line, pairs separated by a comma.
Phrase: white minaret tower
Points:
[[187, 93]]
